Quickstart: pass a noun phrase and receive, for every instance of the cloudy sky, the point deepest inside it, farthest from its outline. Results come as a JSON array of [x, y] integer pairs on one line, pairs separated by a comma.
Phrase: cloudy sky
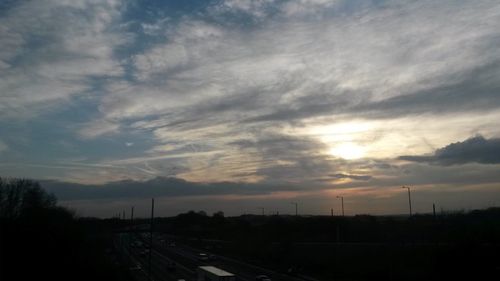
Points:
[[235, 105]]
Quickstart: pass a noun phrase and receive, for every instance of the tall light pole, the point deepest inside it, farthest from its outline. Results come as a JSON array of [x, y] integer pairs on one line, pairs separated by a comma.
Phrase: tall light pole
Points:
[[296, 208], [409, 197], [130, 228], [342, 200], [263, 210]]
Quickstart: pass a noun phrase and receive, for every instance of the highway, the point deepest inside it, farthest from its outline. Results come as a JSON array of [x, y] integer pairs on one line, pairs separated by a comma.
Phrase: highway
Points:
[[186, 261]]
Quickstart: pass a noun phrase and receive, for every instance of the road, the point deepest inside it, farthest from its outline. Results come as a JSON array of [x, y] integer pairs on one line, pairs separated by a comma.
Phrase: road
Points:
[[186, 261]]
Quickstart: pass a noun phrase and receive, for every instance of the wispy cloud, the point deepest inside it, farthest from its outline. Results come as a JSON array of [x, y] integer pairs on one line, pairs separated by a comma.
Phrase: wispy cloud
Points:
[[3, 146], [52, 50], [98, 128], [253, 91]]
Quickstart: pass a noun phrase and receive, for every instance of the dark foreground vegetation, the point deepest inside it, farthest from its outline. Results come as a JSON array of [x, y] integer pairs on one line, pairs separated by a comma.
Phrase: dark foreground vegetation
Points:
[[454, 246], [42, 241]]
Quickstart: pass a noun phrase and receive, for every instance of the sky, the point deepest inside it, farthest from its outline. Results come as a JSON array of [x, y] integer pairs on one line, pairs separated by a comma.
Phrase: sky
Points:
[[238, 105]]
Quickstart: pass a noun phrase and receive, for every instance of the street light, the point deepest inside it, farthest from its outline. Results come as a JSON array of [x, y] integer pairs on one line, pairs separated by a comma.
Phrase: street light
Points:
[[296, 208], [409, 197], [342, 200], [263, 209]]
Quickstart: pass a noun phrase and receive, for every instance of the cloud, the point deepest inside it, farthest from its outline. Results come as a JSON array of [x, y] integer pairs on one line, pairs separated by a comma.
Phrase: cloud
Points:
[[3, 146], [51, 52], [430, 184], [226, 90], [296, 159], [354, 177], [156, 187], [473, 150], [375, 61], [98, 128], [451, 96]]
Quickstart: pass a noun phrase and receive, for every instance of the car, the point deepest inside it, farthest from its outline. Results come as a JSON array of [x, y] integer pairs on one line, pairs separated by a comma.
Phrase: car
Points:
[[262, 278], [202, 257], [212, 257]]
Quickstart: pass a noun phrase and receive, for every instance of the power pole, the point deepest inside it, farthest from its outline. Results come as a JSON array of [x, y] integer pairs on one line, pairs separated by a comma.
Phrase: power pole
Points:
[[409, 197], [331, 211], [434, 210], [296, 208], [342, 201]]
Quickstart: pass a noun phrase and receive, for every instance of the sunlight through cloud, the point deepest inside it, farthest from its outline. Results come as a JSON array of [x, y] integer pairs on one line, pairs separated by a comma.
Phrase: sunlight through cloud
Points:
[[348, 151]]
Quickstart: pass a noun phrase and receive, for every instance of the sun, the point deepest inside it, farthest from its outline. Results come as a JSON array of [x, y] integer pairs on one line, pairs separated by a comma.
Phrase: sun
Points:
[[348, 151]]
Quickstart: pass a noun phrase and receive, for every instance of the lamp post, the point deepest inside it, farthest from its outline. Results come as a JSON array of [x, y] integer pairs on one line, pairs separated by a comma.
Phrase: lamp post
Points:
[[296, 208], [409, 197], [342, 200]]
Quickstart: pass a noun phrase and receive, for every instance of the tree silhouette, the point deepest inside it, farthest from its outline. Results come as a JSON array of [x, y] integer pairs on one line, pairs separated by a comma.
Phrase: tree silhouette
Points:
[[39, 238], [21, 197]]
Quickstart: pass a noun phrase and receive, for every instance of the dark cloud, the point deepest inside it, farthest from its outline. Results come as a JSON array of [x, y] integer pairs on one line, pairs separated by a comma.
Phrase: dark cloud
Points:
[[353, 177], [473, 150], [157, 187], [330, 178]]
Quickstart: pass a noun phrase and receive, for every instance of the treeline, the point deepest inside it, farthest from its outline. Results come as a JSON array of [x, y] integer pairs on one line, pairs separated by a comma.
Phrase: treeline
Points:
[[478, 226], [39, 239]]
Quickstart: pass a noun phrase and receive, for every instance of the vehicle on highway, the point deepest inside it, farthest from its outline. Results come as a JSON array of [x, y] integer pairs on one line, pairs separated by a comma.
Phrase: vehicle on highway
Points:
[[203, 257], [262, 278], [212, 273]]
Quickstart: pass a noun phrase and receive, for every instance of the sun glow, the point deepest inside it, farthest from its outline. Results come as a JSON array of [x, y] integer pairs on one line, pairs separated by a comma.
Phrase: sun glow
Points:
[[348, 151]]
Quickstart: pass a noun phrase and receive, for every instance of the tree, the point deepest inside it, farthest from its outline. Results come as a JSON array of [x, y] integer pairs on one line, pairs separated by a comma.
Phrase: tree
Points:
[[219, 214], [20, 197]]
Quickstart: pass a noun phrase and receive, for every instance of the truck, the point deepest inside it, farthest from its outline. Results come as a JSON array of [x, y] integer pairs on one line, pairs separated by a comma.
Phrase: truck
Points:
[[212, 273]]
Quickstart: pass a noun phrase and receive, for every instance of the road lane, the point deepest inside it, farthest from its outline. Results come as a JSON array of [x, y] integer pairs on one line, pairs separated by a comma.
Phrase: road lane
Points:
[[187, 261]]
